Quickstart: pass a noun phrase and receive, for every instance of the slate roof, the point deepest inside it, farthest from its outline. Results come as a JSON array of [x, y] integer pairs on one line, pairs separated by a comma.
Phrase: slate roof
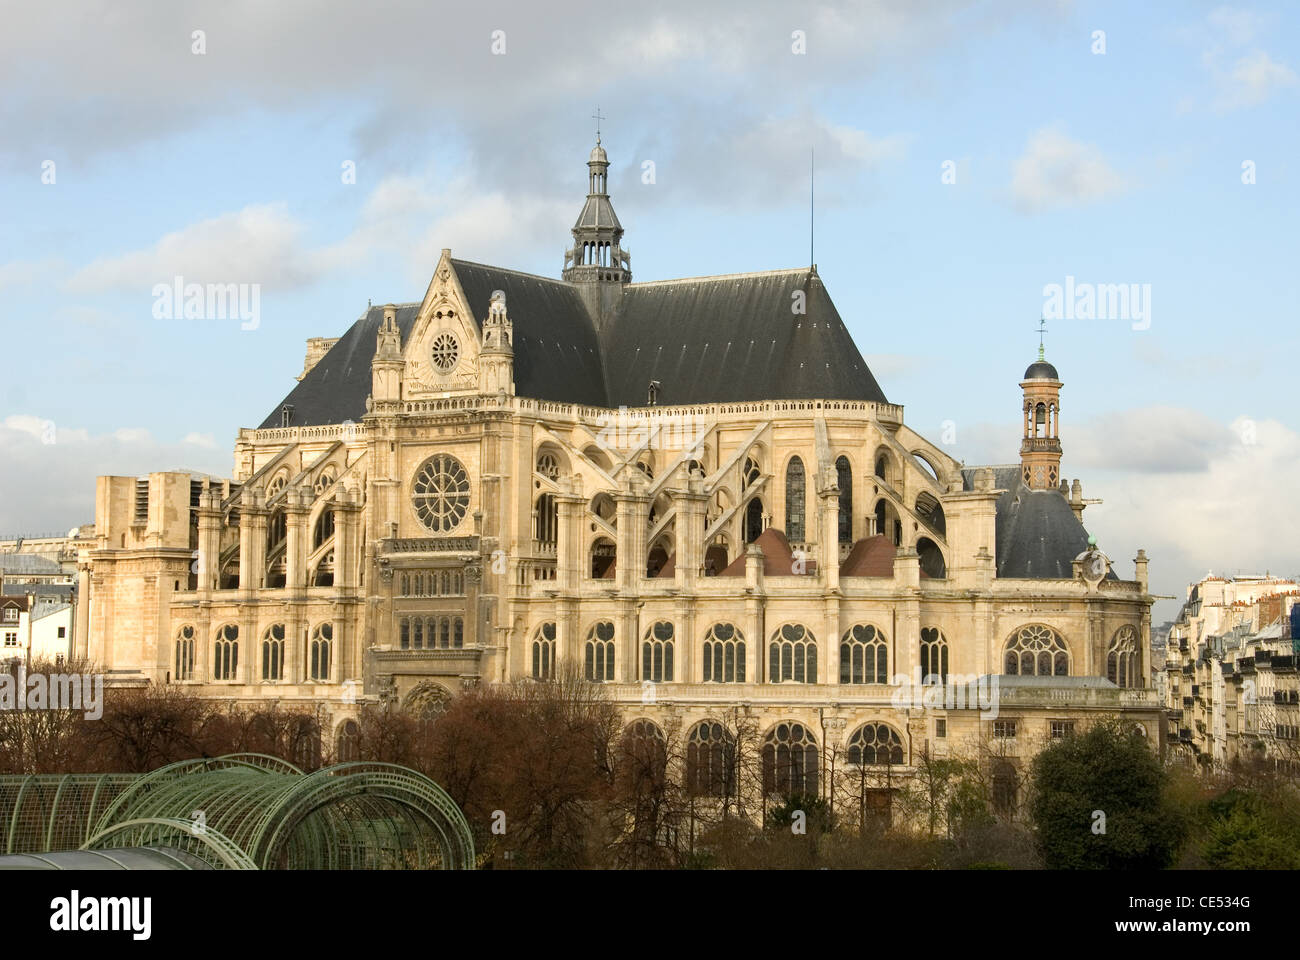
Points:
[[1038, 535], [733, 338], [557, 355], [556, 352], [706, 340]]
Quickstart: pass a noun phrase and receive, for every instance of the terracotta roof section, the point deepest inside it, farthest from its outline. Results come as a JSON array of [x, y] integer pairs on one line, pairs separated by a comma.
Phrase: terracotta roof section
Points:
[[870, 557]]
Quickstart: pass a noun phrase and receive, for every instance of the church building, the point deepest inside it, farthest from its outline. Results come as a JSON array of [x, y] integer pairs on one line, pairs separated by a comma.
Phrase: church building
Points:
[[694, 491]]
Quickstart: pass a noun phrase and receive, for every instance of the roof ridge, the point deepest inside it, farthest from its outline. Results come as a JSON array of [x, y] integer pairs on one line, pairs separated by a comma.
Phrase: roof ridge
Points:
[[723, 276], [518, 273]]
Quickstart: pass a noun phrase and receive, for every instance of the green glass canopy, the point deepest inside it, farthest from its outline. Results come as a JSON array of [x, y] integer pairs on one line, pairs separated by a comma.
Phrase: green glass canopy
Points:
[[244, 812]]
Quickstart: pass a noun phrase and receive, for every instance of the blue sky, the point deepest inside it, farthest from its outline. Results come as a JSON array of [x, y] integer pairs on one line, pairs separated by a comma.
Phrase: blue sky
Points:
[[1115, 167]]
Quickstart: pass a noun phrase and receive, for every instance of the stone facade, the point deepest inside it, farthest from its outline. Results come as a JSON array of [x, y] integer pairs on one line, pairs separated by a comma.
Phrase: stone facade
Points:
[[1231, 686], [778, 558]]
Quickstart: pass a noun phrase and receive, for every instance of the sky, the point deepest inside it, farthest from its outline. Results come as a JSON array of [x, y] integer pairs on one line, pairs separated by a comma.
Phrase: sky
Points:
[[969, 157]]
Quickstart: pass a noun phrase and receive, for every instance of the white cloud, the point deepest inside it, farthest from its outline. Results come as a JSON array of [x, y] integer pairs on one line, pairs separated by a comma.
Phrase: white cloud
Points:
[[413, 217], [205, 440], [29, 273], [47, 476], [1150, 440], [1235, 515], [1237, 26], [1252, 80], [1057, 171], [1194, 492], [258, 244]]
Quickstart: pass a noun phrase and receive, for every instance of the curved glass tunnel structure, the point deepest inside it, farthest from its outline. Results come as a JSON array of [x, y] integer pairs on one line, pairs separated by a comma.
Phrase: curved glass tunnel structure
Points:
[[240, 812]]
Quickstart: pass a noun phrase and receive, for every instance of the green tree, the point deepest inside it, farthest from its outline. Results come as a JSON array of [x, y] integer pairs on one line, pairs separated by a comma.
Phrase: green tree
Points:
[[1098, 803]]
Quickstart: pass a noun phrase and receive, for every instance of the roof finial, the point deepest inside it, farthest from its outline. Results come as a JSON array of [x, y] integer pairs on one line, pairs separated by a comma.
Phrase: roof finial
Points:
[[1042, 329], [597, 117], [812, 208]]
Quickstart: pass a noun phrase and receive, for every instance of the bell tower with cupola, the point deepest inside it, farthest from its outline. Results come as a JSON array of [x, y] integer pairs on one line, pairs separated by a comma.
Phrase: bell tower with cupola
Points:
[[1040, 450], [597, 261]]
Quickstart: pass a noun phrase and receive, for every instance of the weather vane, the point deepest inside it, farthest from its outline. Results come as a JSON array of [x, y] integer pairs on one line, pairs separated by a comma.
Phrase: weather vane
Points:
[[597, 117], [1042, 329]]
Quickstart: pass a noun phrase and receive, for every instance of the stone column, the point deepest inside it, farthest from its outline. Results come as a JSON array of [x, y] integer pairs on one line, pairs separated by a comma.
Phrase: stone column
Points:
[[633, 506], [570, 508], [828, 496], [347, 528], [209, 542], [689, 531], [81, 629], [295, 550]]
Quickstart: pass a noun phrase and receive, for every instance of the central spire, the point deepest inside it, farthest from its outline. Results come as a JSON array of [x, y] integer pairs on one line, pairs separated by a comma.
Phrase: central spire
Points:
[[597, 254]]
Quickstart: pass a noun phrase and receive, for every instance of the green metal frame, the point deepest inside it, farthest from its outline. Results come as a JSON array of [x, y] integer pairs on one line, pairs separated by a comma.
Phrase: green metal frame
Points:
[[245, 811]]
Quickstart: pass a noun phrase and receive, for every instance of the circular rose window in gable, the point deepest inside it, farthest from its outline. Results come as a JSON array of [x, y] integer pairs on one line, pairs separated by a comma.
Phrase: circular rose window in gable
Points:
[[440, 493], [445, 352]]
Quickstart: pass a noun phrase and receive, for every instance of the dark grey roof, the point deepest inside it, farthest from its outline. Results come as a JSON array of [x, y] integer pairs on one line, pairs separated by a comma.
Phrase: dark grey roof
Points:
[[1038, 535], [706, 340], [597, 212], [733, 338], [336, 388], [557, 356], [1041, 370], [556, 353]]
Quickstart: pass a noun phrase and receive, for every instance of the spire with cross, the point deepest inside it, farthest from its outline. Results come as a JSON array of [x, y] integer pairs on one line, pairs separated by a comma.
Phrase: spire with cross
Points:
[[597, 253], [1042, 329]]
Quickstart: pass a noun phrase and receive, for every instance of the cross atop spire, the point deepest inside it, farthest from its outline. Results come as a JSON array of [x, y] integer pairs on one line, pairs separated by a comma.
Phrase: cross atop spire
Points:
[[597, 117], [1042, 329]]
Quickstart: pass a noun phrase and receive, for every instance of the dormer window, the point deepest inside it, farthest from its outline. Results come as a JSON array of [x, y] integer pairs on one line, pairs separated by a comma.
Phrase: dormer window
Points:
[[286, 415]]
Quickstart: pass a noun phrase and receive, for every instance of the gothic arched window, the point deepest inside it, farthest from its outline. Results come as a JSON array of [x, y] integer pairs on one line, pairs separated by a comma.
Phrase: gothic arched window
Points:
[[790, 761], [1036, 650], [348, 743], [273, 653], [598, 658], [864, 655], [934, 655], [657, 653], [225, 653], [710, 760], [875, 744], [185, 653], [544, 652], [792, 655], [1122, 659], [547, 519], [645, 755], [753, 520], [318, 652], [428, 702], [548, 466], [795, 501], [324, 529], [724, 654], [844, 477]]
